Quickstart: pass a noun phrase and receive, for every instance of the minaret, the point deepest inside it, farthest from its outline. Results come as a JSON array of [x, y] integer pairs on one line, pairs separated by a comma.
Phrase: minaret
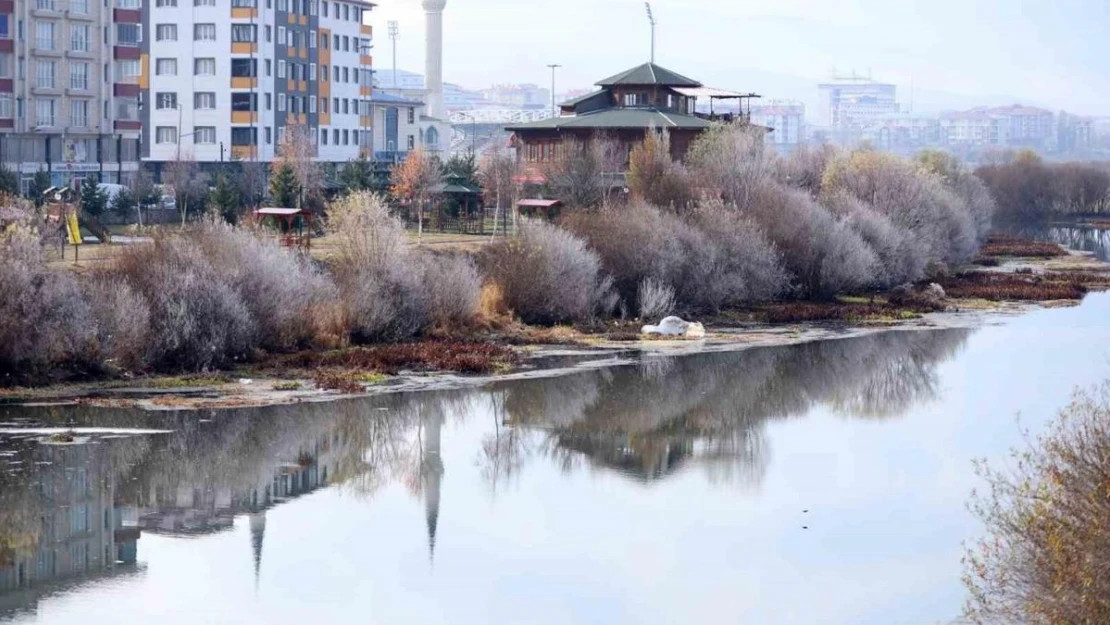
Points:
[[433, 56]]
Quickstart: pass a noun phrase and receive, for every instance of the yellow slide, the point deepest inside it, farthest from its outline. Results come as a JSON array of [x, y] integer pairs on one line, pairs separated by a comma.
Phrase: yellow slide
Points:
[[73, 231]]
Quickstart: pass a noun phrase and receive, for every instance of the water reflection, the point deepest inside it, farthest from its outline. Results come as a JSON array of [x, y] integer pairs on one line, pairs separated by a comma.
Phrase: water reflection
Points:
[[80, 508], [1075, 237]]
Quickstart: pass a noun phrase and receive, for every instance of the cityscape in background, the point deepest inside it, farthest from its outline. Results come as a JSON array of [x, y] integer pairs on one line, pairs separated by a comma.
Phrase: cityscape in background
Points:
[[95, 89]]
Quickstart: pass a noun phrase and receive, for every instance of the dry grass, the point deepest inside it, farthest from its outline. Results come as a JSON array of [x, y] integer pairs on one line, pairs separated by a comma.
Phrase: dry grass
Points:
[[998, 245], [1018, 287], [808, 312], [454, 356]]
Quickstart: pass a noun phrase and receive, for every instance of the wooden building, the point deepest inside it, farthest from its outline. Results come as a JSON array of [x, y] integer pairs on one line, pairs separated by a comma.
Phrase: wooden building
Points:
[[624, 108]]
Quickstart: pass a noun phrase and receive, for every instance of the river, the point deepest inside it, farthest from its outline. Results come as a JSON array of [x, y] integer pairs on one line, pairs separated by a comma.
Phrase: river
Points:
[[817, 483]]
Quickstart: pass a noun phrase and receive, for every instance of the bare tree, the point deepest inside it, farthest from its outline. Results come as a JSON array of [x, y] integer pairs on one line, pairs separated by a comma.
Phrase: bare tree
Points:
[[499, 172], [298, 151], [189, 183], [655, 177], [584, 173], [251, 182], [414, 181], [732, 160]]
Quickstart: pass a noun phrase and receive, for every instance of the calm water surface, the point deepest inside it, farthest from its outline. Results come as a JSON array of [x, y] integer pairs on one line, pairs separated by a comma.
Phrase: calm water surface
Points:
[[821, 483]]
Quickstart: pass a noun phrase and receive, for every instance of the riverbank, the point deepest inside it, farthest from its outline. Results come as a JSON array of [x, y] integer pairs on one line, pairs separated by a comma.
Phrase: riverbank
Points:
[[978, 296]]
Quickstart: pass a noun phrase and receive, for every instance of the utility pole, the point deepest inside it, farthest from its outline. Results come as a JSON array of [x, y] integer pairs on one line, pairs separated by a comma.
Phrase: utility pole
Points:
[[651, 20], [554, 111], [394, 33]]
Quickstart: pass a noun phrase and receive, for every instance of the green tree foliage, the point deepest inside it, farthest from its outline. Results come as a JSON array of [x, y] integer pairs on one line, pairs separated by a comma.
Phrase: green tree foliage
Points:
[[225, 199], [464, 168], [284, 188], [9, 182], [94, 200], [39, 184], [357, 175], [124, 202]]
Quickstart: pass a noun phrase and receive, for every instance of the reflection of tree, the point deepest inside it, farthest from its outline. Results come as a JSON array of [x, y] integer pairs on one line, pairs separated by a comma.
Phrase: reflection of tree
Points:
[[649, 421], [505, 450]]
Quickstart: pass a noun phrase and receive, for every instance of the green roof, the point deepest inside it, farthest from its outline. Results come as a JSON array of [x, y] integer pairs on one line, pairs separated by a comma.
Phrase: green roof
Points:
[[649, 74], [617, 118], [582, 98]]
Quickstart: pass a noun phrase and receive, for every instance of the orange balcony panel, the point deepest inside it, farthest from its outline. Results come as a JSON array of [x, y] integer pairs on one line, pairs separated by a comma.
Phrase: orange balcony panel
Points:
[[303, 20], [144, 72], [302, 86], [243, 152], [302, 119], [243, 117], [290, 85], [244, 47], [324, 119], [366, 29], [292, 19], [7, 123], [290, 119], [366, 91], [243, 13], [366, 59], [364, 122], [244, 82], [290, 52], [303, 53]]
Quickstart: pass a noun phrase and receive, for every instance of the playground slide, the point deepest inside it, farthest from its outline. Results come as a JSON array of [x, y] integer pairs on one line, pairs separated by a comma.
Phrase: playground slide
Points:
[[73, 231], [93, 225]]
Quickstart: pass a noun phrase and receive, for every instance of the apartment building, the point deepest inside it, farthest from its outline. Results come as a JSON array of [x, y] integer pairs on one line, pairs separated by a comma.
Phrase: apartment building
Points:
[[786, 118], [68, 88], [226, 79], [854, 101]]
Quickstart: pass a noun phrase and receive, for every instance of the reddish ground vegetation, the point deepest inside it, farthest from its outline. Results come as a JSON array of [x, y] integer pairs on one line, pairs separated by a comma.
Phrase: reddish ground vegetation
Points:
[[1017, 287], [803, 312], [455, 356], [344, 382], [1008, 245]]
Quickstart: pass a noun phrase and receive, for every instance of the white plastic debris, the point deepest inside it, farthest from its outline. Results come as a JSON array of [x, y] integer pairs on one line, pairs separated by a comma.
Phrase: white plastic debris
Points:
[[675, 326]]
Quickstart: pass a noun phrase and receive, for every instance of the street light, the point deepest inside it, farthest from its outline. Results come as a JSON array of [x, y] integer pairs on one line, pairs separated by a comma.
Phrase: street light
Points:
[[553, 67], [651, 20]]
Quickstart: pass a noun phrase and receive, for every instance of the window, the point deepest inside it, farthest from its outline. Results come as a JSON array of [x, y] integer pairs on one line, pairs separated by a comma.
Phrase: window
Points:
[[129, 4], [129, 35], [324, 6], [79, 76], [244, 33], [294, 39], [312, 39], [165, 100], [204, 67], [346, 137], [294, 72], [335, 106], [243, 102], [311, 105], [79, 6], [269, 32], [335, 70], [412, 115], [294, 104], [281, 69], [5, 105], [205, 32], [244, 135], [79, 37], [346, 75], [280, 134], [44, 35], [244, 4], [205, 135], [165, 3], [44, 74], [283, 5], [312, 71], [346, 106], [44, 111], [635, 99], [283, 39], [204, 100], [204, 3], [6, 26], [165, 32], [324, 131], [335, 41], [335, 136], [165, 134], [269, 135], [281, 102], [79, 113], [346, 43], [165, 67], [127, 71], [6, 63], [412, 142], [346, 12], [244, 68], [44, 5], [269, 102], [269, 68], [324, 42], [323, 105]]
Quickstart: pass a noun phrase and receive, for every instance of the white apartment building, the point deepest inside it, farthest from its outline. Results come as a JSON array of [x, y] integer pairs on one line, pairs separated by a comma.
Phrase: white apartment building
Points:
[[855, 101], [786, 118], [227, 78], [68, 80]]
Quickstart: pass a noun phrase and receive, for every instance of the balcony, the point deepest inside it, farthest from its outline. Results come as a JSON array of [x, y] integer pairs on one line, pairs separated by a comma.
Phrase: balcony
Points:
[[244, 117], [243, 13], [244, 82], [126, 89], [7, 85], [127, 16], [366, 29], [128, 125], [126, 53], [7, 6], [244, 47], [45, 46], [79, 122], [244, 152], [7, 45]]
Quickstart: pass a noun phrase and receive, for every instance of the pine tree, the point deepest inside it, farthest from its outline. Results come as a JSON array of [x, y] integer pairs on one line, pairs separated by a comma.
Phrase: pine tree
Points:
[[357, 175], [9, 182], [124, 202], [284, 189], [39, 184], [225, 199], [93, 199]]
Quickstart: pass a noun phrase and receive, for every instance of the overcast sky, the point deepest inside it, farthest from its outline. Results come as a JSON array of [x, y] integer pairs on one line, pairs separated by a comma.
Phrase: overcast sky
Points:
[[1052, 52]]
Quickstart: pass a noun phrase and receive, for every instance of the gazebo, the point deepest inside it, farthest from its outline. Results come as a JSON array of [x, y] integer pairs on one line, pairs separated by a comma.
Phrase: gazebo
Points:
[[464, 199], [293, 224]]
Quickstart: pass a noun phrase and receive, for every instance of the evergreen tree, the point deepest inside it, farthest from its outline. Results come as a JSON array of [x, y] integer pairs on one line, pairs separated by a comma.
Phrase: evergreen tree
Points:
[[39, 184], [465, 168], [284, 188], [93, 199], [124, 203], [9, 182], [225, 199], [357, 175]]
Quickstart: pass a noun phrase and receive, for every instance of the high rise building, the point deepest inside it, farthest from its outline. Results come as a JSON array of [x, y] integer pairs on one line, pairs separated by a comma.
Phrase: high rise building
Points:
[[787, 120], [69, 72], [226, 79], [854, 101]]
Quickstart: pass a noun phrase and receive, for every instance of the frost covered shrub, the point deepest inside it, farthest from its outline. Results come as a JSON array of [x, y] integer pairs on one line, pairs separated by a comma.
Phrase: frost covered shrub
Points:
[[746, 266], [823, 254], [549, 275], [284, 292], [389, 290], [731, 159], [44, 320], [122, 319], [656, 299], [902, 258], [197, 319]]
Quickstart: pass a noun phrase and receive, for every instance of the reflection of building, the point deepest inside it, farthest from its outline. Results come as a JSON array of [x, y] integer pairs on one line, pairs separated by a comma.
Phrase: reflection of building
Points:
[[79, 528], [643, 457], [69, 109]]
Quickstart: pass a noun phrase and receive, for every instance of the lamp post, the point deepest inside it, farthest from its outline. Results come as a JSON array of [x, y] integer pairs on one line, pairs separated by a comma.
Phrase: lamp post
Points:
[[394, 33], [651, 20], [553, 67]]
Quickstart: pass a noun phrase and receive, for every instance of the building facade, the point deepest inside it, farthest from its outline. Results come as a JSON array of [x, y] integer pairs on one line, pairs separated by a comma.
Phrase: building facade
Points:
[[856, 101], [225, 79], [401, 125], [68, 88], [787, 118]]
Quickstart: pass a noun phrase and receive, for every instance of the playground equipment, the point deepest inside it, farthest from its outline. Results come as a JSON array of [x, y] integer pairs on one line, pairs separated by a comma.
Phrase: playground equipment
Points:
[[63, 205]]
